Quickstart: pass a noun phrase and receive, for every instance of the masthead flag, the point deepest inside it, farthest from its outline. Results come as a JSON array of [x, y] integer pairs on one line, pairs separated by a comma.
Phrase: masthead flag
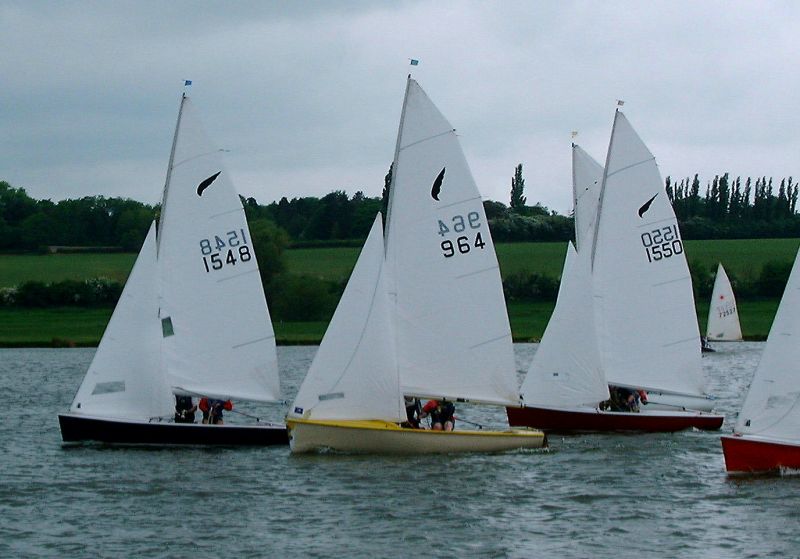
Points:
[[414, 61], [187, 82]]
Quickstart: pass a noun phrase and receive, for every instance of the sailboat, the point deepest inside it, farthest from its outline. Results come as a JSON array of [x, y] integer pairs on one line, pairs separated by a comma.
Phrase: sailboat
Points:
[[191, 321], [723, 315], [422, 315], [625, 312], [766, 436]]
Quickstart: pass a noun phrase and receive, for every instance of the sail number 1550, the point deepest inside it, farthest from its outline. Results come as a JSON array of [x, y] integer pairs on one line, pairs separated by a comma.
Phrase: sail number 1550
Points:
[[661, 243], [465, 242]]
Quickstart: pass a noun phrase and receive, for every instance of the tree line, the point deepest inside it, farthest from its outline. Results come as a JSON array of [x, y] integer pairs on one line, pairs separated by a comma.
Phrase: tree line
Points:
[[728, 208]]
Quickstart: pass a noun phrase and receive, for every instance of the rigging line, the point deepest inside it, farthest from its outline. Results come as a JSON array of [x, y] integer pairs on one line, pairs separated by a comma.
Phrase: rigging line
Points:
[[452, 130], [652, 158]]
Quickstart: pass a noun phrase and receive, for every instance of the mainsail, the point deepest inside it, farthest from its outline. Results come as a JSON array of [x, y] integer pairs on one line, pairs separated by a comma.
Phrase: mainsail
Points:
[[723, 315], [453, 338], [208, 271], [646, 322]]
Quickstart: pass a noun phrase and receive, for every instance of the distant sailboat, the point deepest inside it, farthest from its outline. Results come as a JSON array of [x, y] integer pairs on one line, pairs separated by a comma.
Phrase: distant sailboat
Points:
[[766, 436], [192, 319], [625, 311], [422, 314], [723, 315]]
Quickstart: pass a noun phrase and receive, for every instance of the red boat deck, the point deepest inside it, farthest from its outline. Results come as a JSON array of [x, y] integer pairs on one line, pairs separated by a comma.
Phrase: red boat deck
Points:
[[559, 420]]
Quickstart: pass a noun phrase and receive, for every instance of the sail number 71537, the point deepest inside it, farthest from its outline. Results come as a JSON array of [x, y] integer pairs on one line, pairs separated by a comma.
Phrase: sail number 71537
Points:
[[468, 234]]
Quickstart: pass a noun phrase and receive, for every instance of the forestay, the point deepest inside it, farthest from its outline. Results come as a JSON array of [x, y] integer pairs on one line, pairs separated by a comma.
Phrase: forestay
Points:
[[723, 315], [354, 373], [217, 336], [771, 407], [646, 322], [452, 333], [587, 176], [566, 369], [124, 379]]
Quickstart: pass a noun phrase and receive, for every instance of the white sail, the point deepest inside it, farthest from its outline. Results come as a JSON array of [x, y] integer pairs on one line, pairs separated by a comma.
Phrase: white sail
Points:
[[354, 373], [646, 322], [453, 336], [124, 379], [217, 336], [587, 176], [723, 315], [771, 407], [566, 369]]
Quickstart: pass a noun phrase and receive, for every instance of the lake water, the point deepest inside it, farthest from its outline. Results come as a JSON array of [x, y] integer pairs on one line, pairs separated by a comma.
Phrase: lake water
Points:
[[587, 496]]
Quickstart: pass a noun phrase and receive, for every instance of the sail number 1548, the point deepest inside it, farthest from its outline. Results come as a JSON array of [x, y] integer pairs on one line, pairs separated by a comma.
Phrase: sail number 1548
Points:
[[464, 242]]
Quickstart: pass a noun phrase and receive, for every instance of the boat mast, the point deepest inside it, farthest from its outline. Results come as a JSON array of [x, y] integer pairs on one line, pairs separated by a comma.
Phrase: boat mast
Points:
[[603, 188], [169, 172], [394, 164]]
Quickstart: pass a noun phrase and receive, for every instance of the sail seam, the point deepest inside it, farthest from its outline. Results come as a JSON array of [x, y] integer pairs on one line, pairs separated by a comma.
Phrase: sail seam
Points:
[[670, 281], [508, 334], [651, 223], [692, 339], [265, 338], [489, 269], [240, 209], [238, 275], [459, 202], [427, 139], [630, 166]]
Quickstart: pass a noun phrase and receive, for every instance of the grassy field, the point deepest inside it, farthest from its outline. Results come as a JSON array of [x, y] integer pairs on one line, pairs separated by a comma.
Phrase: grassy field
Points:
[[742, 258]]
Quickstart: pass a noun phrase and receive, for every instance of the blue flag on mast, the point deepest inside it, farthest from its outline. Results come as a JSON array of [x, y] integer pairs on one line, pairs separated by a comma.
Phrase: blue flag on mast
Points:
[[187, 82], [414, 61]]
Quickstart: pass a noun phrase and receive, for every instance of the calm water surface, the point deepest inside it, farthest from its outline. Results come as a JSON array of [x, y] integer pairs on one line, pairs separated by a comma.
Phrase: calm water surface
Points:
[[591, 495]]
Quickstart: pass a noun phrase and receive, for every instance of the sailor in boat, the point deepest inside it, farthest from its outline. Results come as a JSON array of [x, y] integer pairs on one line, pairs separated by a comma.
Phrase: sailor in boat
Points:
[[624, 399], [442, 414], [184, 409], [413, 410], [212, 410]]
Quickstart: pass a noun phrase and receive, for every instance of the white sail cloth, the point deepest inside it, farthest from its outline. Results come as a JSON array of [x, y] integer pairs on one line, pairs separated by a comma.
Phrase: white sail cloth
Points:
[[453, 336], [648, 334], [218, 339], [124, 379], [771, 406], [354, 373], [192, 317], [423, 315], [587, 178], [723, 314]]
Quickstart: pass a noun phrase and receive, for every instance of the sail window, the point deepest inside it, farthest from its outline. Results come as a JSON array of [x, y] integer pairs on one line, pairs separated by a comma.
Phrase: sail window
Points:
[[166, 327], [331, 396], [109, 387]]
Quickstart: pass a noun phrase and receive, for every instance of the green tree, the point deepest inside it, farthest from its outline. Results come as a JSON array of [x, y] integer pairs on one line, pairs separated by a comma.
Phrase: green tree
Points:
[[269, 242], [517, 190]]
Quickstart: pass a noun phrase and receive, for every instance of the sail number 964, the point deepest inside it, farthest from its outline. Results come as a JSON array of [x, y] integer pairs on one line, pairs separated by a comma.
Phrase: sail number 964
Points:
[[228, 249], [661, 243], [470, 239]]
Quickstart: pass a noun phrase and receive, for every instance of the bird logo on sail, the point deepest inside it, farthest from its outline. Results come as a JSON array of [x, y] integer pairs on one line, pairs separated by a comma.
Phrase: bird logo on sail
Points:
[[646, 205], [437, 185], [206, 183]]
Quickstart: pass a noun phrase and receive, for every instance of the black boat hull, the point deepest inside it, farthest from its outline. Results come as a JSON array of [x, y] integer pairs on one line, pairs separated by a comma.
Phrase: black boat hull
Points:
[[78, 428]]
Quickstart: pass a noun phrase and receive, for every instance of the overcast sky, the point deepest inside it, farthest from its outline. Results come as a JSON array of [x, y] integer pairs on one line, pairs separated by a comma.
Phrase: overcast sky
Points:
[[307, 95]]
